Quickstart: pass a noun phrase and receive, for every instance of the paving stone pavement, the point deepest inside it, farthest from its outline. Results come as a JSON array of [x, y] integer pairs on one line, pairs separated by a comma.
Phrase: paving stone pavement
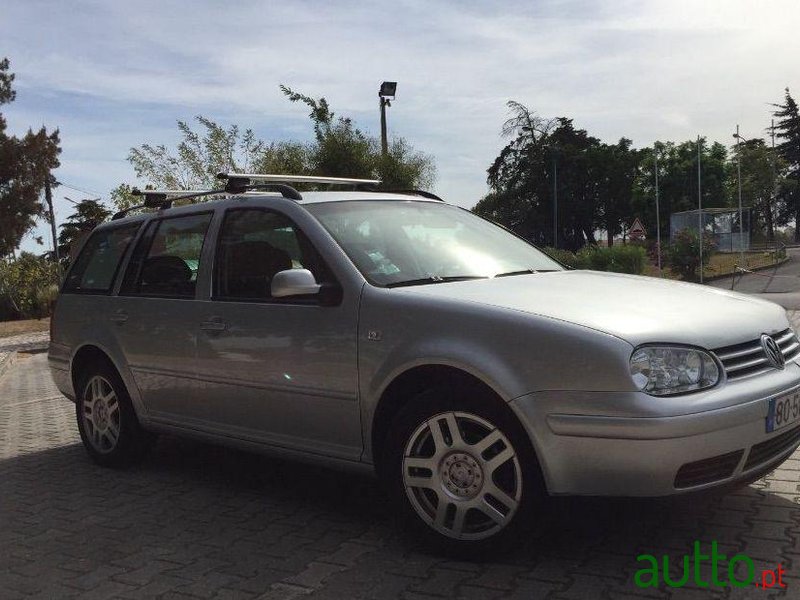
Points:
[[200, 521]]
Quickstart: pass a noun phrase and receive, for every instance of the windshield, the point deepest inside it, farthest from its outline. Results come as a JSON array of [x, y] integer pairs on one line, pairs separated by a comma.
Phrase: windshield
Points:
[[395, 242]]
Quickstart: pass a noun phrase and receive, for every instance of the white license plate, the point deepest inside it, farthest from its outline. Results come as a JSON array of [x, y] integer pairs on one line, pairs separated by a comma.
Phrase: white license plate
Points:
[[783, 411]]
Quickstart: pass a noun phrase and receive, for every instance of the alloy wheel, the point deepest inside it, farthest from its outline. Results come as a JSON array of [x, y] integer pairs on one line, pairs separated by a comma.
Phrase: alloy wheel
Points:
[[101, 415], [462, 476]]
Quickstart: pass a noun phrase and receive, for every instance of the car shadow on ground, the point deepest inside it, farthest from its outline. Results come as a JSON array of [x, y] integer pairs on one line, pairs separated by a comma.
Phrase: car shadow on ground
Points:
[[261, 521]]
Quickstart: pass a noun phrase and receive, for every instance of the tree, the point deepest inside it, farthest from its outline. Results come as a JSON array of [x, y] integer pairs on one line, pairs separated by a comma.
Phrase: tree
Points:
[[122, 197], [788, 130], [341, 149], [199, 156], [761, 183], [88, 215], [677, 181], [616, 168], [25, 164], [549, 156], [28, 285]]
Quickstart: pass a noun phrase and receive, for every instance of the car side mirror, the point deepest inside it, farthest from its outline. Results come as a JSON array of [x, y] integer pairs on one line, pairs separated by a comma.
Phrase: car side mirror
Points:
[[294, 282]]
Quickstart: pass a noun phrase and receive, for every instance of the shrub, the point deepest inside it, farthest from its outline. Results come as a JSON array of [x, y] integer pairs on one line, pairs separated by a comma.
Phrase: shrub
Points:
[[28, 285], [683, 254], [565, 257], [618, 259]]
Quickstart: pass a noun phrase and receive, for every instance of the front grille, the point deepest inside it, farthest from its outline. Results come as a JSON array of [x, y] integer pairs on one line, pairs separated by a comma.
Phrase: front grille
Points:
[[748, 359], [707, 470], [772, 448]]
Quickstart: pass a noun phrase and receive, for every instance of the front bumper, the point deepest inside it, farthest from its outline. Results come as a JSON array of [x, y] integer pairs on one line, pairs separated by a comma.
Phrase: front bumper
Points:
[[624, 453]]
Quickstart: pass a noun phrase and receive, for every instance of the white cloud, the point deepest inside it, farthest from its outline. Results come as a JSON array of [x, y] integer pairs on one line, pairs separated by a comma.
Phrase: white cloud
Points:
[[644, 70]]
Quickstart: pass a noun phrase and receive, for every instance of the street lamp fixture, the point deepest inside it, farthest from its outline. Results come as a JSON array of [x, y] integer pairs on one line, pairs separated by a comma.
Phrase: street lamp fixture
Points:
[[387, 92], [388, 89]]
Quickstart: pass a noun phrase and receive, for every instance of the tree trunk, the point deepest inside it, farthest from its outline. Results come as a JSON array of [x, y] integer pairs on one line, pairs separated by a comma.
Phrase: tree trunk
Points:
[[770, 223], [797, 223]]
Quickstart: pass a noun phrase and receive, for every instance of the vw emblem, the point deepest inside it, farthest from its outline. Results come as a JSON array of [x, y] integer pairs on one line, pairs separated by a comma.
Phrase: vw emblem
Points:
[[773, 352]]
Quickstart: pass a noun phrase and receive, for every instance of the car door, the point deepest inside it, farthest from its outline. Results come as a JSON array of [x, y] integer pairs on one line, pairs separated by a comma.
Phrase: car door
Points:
[[280, 371], [157, 311]]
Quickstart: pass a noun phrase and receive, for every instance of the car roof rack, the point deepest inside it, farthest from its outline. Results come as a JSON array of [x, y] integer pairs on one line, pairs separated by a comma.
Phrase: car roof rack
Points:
[[238, 183], [278, 178], [162, 199]]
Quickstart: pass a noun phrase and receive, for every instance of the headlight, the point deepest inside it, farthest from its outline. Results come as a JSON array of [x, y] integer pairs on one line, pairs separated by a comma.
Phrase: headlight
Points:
[[665, 370]]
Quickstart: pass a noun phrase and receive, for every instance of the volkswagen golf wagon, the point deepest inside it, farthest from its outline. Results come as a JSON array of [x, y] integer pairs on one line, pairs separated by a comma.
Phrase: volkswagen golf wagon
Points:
[[399, 334]]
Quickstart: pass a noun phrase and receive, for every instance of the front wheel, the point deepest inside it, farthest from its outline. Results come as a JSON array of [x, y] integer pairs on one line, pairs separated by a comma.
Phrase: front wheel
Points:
[[463, 472]]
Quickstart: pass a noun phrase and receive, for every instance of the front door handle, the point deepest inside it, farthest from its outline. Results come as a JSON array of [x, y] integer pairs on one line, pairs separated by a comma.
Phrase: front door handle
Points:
[[119, 317], [214, 324]]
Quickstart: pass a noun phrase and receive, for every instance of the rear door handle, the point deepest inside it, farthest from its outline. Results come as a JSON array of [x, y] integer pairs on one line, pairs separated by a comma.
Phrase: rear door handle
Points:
[[119, 317], [214, 324]]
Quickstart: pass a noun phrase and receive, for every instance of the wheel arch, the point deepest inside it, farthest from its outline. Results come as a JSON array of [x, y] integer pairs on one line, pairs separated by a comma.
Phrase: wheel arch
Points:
[[85, 355], [409, 383]]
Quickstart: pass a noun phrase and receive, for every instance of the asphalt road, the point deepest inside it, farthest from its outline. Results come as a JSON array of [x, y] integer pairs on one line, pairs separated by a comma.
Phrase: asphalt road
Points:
[[785, 279], [200, 521]]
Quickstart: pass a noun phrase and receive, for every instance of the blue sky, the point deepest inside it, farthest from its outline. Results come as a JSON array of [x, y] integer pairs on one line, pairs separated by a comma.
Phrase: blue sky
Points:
[[113, 74]]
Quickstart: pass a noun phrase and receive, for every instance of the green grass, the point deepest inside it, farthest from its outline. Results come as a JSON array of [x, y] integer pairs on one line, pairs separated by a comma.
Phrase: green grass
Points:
[[10, 328], [720, 264]]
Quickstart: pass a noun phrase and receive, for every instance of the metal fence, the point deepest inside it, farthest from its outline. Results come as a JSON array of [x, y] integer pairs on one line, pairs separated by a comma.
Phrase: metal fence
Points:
[[721, 223]]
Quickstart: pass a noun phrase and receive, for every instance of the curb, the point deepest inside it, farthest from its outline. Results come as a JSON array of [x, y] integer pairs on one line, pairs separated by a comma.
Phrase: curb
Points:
[[737, 274], [6, 362]]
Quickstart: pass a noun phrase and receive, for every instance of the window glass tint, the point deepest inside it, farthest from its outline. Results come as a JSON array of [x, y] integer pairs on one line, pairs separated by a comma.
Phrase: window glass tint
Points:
[[170, 266], [404, 242], [255, 245], [96, 266]]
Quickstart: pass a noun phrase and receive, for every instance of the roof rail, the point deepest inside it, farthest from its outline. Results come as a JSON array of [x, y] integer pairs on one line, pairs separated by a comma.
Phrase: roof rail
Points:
[[423, 193]]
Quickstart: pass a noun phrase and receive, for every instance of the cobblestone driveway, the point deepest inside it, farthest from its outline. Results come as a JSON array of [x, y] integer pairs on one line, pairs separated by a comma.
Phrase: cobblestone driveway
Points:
[[200, 521]]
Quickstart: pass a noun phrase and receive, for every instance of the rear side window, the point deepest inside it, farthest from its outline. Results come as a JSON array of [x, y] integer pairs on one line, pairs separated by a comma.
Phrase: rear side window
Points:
[[167, 258], [96, 267]]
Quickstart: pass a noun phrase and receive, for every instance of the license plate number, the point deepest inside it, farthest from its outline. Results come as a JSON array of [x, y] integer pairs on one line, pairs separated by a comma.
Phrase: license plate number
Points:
[[783, 411]]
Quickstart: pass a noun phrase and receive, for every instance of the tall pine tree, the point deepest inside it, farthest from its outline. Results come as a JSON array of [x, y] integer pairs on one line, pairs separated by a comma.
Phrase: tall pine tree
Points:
[[788, 131]]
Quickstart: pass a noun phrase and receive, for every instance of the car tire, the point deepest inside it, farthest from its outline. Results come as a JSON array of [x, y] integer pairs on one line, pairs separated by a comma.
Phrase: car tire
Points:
[[467, 495], [107, 422]]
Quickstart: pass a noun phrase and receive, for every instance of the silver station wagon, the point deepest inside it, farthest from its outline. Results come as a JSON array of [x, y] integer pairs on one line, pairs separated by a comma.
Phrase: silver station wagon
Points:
[[399, 334]]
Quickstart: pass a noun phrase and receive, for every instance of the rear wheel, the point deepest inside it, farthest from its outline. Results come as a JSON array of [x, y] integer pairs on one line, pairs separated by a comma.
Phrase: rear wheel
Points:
[[462, 471], [107, 423]]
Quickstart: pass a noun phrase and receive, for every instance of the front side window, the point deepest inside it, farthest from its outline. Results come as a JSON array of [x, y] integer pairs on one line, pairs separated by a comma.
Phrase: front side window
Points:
[[254, 245], [96, 267], [397, 243], [167, 258]]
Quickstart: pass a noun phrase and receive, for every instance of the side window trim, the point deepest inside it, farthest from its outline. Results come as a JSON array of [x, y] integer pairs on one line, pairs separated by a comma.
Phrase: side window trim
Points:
[[215, 267], [150, 231], [118, 270]]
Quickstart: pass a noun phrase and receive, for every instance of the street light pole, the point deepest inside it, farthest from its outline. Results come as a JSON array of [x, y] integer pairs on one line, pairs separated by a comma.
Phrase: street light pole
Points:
[[385, 95], [739, 185], [658, 212], [555, 201], [699, 209]]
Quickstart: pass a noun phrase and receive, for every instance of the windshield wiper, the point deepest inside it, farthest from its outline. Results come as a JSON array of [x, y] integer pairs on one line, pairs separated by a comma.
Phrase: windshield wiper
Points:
[[521, 272], [434, 279]]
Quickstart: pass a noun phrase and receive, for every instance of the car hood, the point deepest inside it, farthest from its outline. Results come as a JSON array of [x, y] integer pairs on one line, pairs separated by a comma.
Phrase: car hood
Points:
[[636, 309]]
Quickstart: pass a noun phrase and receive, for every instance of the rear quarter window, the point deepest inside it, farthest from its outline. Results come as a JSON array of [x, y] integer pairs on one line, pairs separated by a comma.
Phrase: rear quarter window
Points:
[[97, 265]]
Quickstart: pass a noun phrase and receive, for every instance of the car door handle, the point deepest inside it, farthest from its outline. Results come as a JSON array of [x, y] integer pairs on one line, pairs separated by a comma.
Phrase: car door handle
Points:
[[214, 325], [119, 317]]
